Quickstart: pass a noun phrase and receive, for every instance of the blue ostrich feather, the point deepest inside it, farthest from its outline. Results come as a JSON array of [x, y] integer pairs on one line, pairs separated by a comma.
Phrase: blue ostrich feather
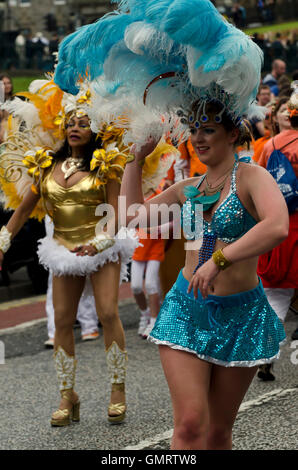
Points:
[[86, 50], [128, 48], [197, 24]]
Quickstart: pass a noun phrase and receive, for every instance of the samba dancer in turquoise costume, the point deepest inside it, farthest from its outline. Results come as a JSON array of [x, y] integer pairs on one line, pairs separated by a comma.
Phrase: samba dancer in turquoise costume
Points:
[[215, 326]]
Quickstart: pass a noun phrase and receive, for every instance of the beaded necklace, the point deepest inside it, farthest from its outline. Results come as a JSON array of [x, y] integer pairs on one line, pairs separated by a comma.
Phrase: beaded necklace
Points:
[[209, 239], [192, 193]]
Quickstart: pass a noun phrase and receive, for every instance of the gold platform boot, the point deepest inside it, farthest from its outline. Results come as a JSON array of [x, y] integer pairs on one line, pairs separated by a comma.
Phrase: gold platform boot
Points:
[[66, 367], [116, 361]]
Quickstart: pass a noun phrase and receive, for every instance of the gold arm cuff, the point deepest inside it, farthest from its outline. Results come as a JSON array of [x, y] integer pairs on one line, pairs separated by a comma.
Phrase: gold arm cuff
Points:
[[220, 260], [102, 242], [5, 239]]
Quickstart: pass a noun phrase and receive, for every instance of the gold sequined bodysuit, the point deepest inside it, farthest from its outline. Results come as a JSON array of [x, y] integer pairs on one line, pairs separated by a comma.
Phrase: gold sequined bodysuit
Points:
[[72, 209]]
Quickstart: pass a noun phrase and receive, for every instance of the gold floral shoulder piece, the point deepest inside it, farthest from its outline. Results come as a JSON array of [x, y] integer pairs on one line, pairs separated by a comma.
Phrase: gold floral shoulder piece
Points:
[[110, 164], [36, 161]]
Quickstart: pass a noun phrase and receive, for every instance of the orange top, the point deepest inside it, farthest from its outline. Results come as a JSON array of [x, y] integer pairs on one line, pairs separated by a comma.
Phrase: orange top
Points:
[[152, 249], [259, 145], [188, 153], [280, 142]]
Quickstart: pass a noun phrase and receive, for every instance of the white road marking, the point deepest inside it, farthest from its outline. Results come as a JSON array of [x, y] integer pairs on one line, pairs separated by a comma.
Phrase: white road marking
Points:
[[21, 326], [20, 302], [167, 435], [28, 324], [265, 398]]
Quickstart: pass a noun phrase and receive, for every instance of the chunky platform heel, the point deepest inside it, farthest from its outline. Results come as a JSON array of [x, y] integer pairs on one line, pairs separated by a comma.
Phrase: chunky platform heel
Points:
[[116, 361]]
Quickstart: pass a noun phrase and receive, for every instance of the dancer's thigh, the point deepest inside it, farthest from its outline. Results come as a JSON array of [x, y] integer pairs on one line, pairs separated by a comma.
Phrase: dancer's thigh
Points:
[[188, 379], [105, 283], [228, 387], [67, 291]]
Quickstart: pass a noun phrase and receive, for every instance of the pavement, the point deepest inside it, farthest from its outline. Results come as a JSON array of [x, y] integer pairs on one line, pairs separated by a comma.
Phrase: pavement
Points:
[[267, 419]]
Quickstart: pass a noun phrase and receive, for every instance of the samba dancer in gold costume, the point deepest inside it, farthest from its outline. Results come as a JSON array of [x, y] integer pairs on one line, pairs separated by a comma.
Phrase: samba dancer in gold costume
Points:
[[58, 166]]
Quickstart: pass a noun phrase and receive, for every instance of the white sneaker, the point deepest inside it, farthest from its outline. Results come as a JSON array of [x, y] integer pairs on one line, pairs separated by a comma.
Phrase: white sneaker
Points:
[[90, 336], [49, 343], [144, 320], [149, 327]]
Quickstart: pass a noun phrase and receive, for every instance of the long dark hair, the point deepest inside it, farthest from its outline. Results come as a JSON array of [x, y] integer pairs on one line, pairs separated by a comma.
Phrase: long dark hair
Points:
[[65, 151]]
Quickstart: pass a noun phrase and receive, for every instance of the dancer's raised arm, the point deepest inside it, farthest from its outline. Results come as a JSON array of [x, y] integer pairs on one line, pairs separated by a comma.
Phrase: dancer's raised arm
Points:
[[131, 186]]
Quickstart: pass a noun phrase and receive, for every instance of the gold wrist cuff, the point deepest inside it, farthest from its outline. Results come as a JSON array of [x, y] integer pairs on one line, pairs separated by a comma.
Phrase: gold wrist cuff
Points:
[[220, 260], [5, 239], [102, 242]]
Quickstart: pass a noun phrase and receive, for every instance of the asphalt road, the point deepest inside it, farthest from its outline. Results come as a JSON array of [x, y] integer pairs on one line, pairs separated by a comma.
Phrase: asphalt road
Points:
[[267, 419]]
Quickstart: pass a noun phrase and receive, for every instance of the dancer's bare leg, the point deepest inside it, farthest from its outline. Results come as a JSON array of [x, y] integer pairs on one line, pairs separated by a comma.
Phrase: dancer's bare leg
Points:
[[188, 379], [228, 387], [105, 284], [67, 291]]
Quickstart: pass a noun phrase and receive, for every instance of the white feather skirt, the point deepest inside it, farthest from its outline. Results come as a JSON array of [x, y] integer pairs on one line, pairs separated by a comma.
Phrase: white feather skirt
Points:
[[62, 262]]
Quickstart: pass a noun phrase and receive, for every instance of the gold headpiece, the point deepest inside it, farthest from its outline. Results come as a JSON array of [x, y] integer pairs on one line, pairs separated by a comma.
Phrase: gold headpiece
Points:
[[73, 106]]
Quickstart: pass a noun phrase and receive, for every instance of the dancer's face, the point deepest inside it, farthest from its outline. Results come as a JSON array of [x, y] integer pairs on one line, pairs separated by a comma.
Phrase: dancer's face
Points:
[[78, 132], [212, 142]]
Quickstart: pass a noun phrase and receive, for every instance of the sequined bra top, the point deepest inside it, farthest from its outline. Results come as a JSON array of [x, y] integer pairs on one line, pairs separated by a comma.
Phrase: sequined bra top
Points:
[[72, 209], [230, 220]]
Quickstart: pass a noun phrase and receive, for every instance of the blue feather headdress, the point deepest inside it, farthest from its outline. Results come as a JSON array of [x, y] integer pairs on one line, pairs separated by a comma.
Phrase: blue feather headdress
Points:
[[184, 49]]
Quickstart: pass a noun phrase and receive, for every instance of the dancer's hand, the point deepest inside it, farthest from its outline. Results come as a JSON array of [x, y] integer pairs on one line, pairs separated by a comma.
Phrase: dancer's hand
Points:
[[84, 250], [145, 150], [202, 278]]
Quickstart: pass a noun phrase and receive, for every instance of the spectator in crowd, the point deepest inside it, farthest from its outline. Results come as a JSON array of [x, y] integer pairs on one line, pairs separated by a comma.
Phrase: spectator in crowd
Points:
[[283, 87], [292, 50], [8, 86], [239, 15], [270, 10], [264, 95], [7, 95], [259, 40], [263, 42], [278, 269], [54, 44], [258, 145], [40, 43], [277, 48], [278, 69], [29, 52], [260, 4], [53, 48], [20, 44], [263, 98], [279, 117]]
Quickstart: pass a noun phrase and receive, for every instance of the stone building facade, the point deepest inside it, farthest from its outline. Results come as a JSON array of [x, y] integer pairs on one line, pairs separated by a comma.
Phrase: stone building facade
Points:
[[47, 16], [66, 15]]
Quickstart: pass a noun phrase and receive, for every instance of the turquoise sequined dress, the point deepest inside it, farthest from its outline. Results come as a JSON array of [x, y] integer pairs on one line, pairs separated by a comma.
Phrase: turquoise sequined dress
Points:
[[240, 330]]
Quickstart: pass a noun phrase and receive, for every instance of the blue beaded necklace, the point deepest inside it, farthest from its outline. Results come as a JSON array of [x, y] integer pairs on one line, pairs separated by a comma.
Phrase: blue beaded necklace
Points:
[[209, 240], [199, 197]]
